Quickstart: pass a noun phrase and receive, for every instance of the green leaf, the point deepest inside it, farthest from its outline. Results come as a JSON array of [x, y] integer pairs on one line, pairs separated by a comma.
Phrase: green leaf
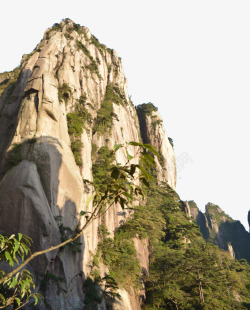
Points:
[[149, 158], [36, 299], [26, 249], [117, 147], [20, 236], [151, 149], [90, 198], [115, 173], [18, 301], [13, 282], [8, 258], [128, 196], [143, 171], [147, 164], [129, 156], [135, 143], [123, 202], [145, 182], [82, 213], [16, 245]]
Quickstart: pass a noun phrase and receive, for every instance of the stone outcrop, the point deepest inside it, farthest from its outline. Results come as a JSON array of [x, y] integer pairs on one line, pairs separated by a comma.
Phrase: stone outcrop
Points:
[[42, 188], [152, 131], [220, 229]]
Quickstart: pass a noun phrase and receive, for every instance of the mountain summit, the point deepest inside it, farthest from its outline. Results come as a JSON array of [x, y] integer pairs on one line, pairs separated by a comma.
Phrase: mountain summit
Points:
[[64, 115]]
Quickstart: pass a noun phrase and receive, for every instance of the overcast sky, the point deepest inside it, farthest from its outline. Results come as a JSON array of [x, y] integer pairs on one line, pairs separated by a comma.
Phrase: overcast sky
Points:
[[190, 58]]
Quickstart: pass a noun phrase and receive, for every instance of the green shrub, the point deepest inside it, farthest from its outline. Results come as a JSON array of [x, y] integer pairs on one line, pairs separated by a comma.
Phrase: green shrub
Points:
[[91, 292], [77, 28], [120, 256], [102, 168], [15, 154], [156, 123], [32, 140], [98, 45], [171, 141], [76, 123], [114, 94], [94, 151], [68, 36], [55, 27], [78, 118], [116, 70], [9, 81], [104, 119], [148, 108], [161, 159], [76, 147], [64, 93], [92, 67], [105, 115], [67, 233]]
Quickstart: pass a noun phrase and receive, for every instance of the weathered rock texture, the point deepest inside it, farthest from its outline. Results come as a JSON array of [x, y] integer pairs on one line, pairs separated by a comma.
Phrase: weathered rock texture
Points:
[[152, 132], [41, 186], [222, 230]]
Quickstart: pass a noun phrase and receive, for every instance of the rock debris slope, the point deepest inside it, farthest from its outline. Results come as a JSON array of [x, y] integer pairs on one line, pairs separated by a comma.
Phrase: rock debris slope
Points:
[[67, 101]]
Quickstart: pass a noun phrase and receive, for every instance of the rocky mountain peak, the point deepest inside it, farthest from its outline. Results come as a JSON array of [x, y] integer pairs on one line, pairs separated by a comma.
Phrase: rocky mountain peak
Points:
[[61, 113]]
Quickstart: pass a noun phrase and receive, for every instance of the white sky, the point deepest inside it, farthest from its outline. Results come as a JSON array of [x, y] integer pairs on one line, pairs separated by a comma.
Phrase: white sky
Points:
[[190, 58]]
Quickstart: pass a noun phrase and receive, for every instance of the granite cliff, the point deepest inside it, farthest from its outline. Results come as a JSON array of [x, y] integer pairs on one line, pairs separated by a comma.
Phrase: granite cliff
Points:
[[48, 152], [63, 112], [220, 229]]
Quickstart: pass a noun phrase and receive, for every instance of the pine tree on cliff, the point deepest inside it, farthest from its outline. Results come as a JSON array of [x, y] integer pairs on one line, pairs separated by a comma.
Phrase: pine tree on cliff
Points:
[[249, 219]]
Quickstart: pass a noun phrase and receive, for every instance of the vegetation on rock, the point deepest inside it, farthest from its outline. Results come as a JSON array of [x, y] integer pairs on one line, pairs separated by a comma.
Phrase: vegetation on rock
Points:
[[102, 168], [122, 189], [105, 115], [64, 93], [92, 67], [185, 272], [148, 108], [77, 121], [8, 81], [220, 229]]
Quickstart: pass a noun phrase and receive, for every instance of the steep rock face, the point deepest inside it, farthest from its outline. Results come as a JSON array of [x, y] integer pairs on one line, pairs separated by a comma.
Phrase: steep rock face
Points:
[[153, 133], [42, 176], [222, 230]]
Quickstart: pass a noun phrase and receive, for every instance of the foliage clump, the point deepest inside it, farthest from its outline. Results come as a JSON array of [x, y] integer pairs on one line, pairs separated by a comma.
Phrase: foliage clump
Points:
[[119, 255], [77, 28], [19, 289], [64, 93], [92, 293], [8, 81], [102, 168], [171, 141], [92, 67], [185, 272], [98, 45], [105, 115], [55, 27], [190, 273], [76, 123], [147, 108], [15, 154]]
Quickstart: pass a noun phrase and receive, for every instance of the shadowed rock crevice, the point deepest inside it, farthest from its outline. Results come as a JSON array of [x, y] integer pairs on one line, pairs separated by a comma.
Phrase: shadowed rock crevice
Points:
[[9, 108], [30, 190]]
